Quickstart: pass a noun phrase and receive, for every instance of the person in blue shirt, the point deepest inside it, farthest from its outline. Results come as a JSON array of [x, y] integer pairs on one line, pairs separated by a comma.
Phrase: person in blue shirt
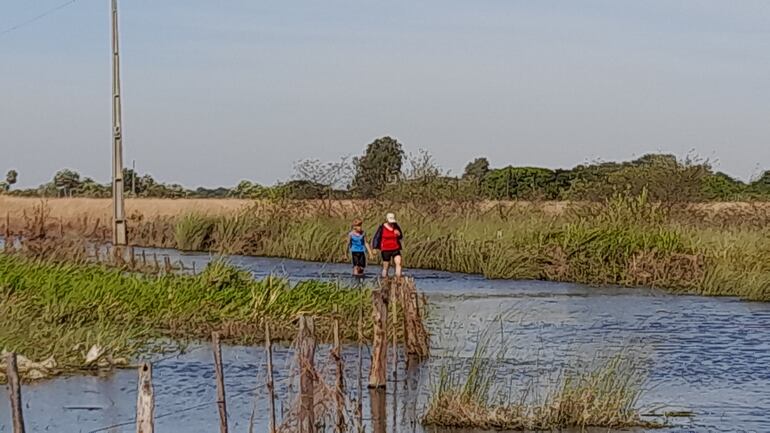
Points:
[[358, 247]]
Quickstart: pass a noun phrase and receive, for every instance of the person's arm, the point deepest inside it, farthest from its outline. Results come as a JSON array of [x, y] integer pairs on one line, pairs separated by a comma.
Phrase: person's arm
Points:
[[368, 248], [377, 238]]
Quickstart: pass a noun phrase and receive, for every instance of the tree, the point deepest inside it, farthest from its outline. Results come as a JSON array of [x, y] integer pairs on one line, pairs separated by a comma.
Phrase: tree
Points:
[[477, 169], [311, 175], [67, 181], [10, 178], [247, 189], [519, 183], [378, 166], [761, 184]]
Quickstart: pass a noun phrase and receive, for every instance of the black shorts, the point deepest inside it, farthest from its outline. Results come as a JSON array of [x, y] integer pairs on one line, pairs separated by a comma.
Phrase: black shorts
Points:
[[359, 259], [387, 256]]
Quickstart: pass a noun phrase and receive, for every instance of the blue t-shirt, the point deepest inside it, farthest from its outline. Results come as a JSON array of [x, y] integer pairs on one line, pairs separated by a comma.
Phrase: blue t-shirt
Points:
[[357, 242]]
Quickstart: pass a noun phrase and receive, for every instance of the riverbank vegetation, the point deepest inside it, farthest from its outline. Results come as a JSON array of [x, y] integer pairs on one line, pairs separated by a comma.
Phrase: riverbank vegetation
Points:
[[65, 310], [627, 241]]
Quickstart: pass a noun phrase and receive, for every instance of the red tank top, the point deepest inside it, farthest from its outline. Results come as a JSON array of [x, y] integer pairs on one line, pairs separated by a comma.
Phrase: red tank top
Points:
[[389, 239]]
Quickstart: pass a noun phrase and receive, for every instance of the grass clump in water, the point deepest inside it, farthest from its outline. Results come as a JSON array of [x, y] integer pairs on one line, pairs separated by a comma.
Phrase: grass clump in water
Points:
[[469, 395]]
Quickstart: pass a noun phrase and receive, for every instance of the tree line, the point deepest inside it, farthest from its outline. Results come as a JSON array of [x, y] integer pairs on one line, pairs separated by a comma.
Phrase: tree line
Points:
[[385, 170]]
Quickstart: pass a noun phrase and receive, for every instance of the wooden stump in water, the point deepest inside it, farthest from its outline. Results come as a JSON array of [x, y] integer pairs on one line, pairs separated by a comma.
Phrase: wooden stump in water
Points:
[[220, 377], [416, 336], [145, 401], [307, 374], [270, 384], [379, 366], [377, 403], [14, 388], [339, 391]]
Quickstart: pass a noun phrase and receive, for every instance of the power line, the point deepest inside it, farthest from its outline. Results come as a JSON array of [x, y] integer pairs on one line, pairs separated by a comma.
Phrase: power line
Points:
[[37, 18]]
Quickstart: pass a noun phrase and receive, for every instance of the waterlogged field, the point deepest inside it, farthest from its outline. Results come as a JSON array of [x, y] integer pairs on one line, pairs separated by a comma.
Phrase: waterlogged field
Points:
[[699, 355]]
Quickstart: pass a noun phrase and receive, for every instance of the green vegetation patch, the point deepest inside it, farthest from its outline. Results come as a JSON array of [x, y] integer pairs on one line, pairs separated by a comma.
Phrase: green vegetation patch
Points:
[[65, 310]]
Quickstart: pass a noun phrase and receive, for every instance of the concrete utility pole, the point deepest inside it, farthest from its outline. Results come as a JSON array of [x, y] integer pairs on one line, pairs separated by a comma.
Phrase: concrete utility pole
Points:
[[119, 212]]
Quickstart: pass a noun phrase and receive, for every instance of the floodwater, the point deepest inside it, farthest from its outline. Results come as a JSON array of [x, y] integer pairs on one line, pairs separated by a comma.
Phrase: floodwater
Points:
[[710, 356]]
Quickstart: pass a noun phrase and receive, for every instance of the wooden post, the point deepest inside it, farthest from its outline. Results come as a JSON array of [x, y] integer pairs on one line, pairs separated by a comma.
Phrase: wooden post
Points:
[[221, 399], [379, 366], [307, 374], [145, 401], [7, 237], [417, 339], [407, 309], [14, 387], [144, 259], [132, 259], [339, 392], [167, 263], [378, 410], [270, 384], [360, 390], [394, 322], [157, 264]]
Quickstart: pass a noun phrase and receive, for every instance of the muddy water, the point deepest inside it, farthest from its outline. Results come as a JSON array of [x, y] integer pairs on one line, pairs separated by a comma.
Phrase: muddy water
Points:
[[706, 355]]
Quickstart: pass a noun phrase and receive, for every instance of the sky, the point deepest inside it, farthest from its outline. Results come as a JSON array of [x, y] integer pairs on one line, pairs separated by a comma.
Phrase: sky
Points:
[[219, 91]]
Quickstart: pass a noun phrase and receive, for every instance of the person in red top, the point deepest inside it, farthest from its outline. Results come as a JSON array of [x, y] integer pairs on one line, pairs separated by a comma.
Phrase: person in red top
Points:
[[387, 239]]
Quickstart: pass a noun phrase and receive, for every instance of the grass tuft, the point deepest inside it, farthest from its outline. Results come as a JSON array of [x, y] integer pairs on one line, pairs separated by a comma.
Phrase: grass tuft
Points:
[[468, 396]]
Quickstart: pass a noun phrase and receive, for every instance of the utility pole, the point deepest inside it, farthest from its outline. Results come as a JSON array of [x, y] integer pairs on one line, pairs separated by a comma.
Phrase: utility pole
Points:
[[133, 178], [119, 213]]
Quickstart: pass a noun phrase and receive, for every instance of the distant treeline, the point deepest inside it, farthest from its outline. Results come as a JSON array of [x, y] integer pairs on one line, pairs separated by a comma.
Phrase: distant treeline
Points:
[[384, 170]]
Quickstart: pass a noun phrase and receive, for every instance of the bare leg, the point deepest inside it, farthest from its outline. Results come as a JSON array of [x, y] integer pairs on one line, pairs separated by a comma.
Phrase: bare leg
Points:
[[397, 260], [385, 266]]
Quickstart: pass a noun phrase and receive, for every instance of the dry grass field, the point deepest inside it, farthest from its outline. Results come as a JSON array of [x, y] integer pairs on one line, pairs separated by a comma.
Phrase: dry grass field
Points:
[[72, 209]]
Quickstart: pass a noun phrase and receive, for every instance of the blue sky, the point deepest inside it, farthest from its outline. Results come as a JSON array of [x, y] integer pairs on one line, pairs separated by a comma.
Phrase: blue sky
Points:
[[219, 91]]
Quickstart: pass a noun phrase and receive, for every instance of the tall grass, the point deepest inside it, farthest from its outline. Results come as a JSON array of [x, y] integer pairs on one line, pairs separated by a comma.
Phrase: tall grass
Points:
[[626, 241], [469, 395], [193, 232], [63, 309]]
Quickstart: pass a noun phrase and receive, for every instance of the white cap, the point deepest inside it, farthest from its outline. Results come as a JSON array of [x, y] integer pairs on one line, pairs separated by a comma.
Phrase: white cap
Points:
[[390, 217]]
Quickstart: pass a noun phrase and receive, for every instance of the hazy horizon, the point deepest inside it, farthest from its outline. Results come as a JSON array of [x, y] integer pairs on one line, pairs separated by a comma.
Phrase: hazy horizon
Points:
[[217, 92]]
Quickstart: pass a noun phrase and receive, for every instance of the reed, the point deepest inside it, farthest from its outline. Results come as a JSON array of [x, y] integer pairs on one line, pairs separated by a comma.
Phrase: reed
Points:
[[468, 395], [193, 232], [627, 241], [62, 310]]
